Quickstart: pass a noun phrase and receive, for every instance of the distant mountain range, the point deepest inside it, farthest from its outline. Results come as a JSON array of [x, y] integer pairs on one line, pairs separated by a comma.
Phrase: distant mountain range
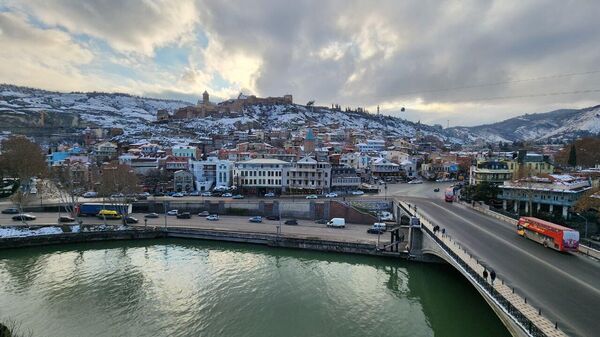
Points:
[[564, 124], [25, 110]]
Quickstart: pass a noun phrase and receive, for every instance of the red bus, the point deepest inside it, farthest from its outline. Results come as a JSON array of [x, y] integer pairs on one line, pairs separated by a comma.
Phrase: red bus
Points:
[[548, 234], [449, 194]]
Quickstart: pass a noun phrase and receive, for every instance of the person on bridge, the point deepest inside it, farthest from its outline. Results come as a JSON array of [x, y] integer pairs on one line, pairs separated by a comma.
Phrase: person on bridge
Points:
[[485, 274], [492, 276], [443, 232]]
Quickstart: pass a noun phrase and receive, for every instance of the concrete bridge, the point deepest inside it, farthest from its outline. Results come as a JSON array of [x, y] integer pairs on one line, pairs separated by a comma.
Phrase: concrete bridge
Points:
[[515, 308]]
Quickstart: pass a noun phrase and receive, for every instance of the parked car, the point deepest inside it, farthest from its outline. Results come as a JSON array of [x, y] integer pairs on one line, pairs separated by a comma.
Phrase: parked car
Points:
[[270, 195], [184, 215], [11, 210], [206, 194], [178, 195], [321, 221], [65, 218], [358, 192], [337, 223], [238, 196], [227, 195], [130, 219], [256, 219], [312, 196], [151, 215], [195, 194], [204, 213], [212, 217], [377, 228], [173, 212], [416, 181], [291, 222], [24, 217], [90, 194], [117, 195], [273, 217], [331, 195], [386, 216], [159, 194]]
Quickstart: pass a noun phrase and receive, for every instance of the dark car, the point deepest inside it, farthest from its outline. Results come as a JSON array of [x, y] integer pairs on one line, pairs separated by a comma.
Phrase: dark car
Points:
[[65, 218], [321, 221], [159, 194], [273, 217], [291, 222], [151, 216], [375, 231], [256, 219], [184, 215], [11, 210], [130, 219], [23, 217]]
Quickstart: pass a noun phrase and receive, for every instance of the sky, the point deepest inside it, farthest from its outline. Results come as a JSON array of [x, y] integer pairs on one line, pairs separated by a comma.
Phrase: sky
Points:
[[447, 62]]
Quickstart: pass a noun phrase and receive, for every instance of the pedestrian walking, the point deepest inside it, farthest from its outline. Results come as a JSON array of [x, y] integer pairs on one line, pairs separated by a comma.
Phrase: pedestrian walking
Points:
[[485, 274], [443, 232], [492, 276]]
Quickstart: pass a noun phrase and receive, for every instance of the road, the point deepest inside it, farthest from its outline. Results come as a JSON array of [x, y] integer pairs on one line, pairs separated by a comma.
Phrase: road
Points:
[[304, 229], [565, 286]]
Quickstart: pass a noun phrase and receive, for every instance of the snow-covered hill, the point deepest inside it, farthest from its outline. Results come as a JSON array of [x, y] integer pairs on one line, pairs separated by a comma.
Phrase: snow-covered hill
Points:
[[22, 107], [566, 124]]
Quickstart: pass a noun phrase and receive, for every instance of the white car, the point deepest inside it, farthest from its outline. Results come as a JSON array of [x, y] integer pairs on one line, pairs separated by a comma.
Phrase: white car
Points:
[[227, 195], [386, 216], [270, 195], [312, 196], [90, 194], [212, 217], [331, 195], [358, 192], [177, 195], [416, 181], [173, 212], [206, 194]]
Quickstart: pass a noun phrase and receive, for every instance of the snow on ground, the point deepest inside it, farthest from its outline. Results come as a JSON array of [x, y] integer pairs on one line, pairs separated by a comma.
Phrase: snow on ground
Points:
[[8, 232]]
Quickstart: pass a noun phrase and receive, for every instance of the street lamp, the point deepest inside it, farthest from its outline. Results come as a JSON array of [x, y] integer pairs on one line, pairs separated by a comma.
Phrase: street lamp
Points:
[[586, 224]]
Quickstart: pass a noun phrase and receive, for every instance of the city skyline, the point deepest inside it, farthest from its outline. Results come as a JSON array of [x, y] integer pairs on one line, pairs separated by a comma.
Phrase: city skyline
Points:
[[464, 63]]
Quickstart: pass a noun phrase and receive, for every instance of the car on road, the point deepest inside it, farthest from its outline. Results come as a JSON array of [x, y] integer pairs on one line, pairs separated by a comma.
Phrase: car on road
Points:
[[331, 195], [358, 192], [11, 210], [24, 217], [117, 195], [377, 228], [270, 195], [437, 189], [173, 212], [65, 218], [108, 214], [416, 181], [204, 213], [151, 216], [273, 217], [237, 196], [212, 217], [206, 194], [256, 219], [178, 195], [195, 194], [227, 195], [184, 215], [312, 196], [386, 216], [337, 223], [321, 221], [291, 222], [90, 194], [159, 194], [130, 219]]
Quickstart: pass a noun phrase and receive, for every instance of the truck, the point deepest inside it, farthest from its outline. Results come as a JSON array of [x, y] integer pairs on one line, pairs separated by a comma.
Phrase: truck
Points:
[[337, 223], [92, 209]]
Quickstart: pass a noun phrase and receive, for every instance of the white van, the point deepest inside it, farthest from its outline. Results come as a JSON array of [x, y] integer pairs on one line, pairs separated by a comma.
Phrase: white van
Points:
[[337, 223], [379, 225]]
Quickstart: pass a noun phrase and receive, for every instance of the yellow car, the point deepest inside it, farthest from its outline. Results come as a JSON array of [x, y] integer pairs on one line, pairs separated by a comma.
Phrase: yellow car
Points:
[[108, 214]]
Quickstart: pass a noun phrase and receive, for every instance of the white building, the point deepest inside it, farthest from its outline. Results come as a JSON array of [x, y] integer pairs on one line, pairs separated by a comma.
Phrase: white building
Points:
[[409, 168], [260, 175], [307, 175], [372, 145], [185, 151], [211, 172], [356, 160], [382, 167]]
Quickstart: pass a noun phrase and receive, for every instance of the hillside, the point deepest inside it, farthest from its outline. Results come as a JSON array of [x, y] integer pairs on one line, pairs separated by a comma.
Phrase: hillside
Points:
[[561, 125], [21, 110]]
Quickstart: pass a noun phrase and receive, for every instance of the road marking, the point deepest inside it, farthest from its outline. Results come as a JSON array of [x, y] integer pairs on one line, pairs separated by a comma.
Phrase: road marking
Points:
[[597, 291]]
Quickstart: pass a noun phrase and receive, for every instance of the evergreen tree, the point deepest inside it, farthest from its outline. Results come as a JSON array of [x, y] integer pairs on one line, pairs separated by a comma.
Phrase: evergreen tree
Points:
[[573, 156]]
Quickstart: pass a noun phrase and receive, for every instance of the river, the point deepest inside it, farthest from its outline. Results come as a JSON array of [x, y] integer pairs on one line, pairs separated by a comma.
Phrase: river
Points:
[[199, 288]]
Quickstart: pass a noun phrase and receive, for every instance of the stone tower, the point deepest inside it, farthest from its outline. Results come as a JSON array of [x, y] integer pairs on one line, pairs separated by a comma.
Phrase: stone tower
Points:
[[205, 97], [309, 141]]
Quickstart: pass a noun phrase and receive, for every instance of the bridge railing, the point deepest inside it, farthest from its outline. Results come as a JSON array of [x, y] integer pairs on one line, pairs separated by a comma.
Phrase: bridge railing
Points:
[[523, 319]]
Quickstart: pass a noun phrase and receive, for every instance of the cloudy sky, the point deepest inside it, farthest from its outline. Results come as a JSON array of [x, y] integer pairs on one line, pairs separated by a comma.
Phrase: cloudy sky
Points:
[[462, 62]]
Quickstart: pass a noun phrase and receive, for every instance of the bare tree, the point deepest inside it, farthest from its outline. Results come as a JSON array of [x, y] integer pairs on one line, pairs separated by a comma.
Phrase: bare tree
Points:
[[117, 185], [70, 186], [22, 159]]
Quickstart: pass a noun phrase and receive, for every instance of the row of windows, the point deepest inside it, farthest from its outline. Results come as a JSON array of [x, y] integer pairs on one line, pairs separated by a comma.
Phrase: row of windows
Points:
[[261, 181], [261, 173]]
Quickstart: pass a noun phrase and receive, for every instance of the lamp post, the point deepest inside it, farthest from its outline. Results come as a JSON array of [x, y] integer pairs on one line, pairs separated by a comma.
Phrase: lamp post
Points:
[[586, 224]]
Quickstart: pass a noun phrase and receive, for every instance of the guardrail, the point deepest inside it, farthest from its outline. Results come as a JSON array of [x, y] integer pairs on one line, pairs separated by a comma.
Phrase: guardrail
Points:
[[523, 314]]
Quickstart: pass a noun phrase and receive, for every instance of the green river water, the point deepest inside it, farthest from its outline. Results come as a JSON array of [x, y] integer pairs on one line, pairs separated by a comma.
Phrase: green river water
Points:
[[198, 288]]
